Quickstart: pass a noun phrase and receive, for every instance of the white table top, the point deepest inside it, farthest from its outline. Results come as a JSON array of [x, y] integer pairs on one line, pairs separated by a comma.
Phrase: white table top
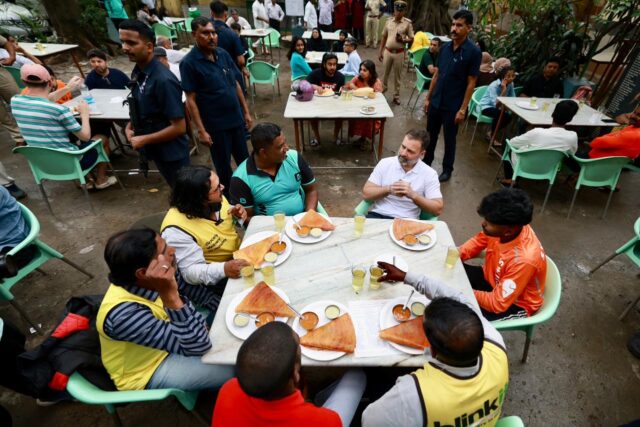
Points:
[[316, 57], [335, 108], [262, 32], [325, 35], [586, 115], [49, 48], [306, 280], [108, 102]]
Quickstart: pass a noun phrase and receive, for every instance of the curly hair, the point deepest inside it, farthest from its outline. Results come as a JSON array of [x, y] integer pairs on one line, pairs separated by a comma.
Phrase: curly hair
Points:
[[508, 206], [190, 195]]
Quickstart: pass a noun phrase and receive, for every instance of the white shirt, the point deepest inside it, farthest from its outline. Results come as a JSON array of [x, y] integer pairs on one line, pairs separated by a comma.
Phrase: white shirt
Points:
[[352, 67], [20, 60], [243, 22], [150, 3], [326, 8], [259, 10], [175, 69], [174, 56], [310, 16], [422, 178], [555, 138], [274, 11]]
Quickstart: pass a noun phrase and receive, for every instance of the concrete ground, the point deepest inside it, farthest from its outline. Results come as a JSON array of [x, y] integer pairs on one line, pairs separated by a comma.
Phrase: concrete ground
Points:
[[579, 371]]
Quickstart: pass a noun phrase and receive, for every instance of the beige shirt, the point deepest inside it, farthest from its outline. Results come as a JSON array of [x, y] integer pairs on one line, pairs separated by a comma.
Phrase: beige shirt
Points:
[[374, 7], [392, 28]]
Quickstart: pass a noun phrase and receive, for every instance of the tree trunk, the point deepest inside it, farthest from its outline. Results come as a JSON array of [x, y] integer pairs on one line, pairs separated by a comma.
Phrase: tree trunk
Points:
[[64, 16], [431, 15]]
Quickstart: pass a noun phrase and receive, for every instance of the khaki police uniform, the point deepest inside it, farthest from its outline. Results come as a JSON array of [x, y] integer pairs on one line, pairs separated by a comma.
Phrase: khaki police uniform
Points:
[[372, 22], [393, 55]]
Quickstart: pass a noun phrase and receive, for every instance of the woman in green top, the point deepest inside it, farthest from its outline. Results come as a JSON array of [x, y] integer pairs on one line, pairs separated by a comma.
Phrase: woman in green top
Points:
[[299, 67]]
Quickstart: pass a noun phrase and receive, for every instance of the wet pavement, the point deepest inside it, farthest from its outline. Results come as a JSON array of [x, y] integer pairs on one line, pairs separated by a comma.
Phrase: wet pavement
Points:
[[579, 371]]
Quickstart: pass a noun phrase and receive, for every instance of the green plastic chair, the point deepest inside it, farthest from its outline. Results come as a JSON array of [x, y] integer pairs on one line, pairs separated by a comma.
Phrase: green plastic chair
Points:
[[161, 29], [303, 77], [321, 209], [474, 110], [602, 172], [43, 254], [62, 165], [416, 57], [273, 40], [421, 81], [552, 293], [252, 55], [542, 165], [348, 78], [632, 250], [364, 206], [512, 421], [261, 72], [84, 391], [15, 73]]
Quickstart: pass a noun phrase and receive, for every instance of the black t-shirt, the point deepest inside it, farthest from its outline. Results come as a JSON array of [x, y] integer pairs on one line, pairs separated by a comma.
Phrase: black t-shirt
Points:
[[539, 87], [319, 78]]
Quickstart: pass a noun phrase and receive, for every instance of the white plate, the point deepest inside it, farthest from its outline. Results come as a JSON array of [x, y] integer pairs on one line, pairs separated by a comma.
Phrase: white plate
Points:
[[318, 308], [323, 96], [244, 332], [254, 238], [527, 106], [418, 246], [387, 320], [291, 232], [388, 258], [366, 113]]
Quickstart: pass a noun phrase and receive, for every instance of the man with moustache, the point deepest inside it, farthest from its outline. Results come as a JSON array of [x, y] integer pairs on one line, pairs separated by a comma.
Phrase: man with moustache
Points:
[[215, 99], [403, 186], [450, 90], [158, 97]]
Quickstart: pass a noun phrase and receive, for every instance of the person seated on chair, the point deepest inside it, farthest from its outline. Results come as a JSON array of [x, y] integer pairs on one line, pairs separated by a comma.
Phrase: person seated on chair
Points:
[[546, 84], [15, 230], [145, 15], [151, 335], [429, 61], [61, 92], [243, 41], [352, 67], [316, 42], [466, 374], [25, 58], [55, 126], [362, 130], [174, 56], [403, 186], [160, 54], [273, 178], [102, 76], [489, 104], [296, 55], [625, 142], [235, 17], [324, 80], [511, 281], [201, 226], [554, 138], [338, 45], [266, 390]]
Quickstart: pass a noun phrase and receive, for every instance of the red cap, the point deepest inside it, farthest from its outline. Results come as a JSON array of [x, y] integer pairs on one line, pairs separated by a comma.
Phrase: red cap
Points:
[[34, 73]]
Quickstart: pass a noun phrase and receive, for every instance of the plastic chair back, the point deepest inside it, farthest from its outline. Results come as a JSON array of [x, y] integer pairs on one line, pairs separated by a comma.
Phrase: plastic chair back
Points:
[[348, 78], [364, 206], [262, 72], [512, 421], [600, 172], [162, 30], [274, 38], [416, 56], [15, 73], [422, 81], [252, 55], [537, 164], [477, 95]]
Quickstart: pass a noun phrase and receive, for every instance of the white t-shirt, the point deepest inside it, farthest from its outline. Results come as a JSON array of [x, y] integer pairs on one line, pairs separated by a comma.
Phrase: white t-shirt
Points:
[[174, 56], [555, 138], [20, 60], [241, 21], [274, 11], [310, 16], [326, 8], [422, 178], [258, 9]]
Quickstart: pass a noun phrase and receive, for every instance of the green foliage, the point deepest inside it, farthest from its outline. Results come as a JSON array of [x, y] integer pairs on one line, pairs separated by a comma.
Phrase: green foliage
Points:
[[540, 29], [93, 21], [34, 25]]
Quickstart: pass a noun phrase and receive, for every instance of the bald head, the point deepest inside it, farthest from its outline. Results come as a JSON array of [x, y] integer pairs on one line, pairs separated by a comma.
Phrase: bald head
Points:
[[164, 42]]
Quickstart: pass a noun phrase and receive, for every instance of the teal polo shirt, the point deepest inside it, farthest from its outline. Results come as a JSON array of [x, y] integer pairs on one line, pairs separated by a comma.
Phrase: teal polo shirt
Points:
[[267, 194]]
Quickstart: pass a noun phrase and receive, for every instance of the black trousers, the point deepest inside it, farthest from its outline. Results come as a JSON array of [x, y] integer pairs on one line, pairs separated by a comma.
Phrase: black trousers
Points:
[[169, 170], [479, 283], [437, 119], [275, 24], [325, 27], [227, 143], [494, 113], [377, 216], [11, 346]]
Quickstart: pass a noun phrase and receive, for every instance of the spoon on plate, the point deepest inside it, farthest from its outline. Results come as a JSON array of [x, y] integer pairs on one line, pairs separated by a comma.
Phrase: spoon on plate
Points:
[[404, 307]]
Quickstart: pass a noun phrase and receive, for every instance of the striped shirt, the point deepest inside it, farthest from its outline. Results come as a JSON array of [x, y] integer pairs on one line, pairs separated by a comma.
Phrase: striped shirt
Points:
[[44, 123], [185, 333]]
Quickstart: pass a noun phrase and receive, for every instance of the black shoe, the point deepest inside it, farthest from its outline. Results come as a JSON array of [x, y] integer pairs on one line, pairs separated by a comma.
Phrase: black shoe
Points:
[[444, 176], [16, 191], [634, 345]]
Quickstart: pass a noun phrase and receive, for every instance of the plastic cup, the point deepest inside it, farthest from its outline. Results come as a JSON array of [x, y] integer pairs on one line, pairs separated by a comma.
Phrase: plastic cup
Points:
[[533, 101], [358, 224], [375, 273], [452, 257], [358, 274], [279, 219], [247, 274], [268, 273]]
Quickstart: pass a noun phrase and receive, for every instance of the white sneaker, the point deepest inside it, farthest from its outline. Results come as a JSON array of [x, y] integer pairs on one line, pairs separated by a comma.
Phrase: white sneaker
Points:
[[314, 142], [108, 183]]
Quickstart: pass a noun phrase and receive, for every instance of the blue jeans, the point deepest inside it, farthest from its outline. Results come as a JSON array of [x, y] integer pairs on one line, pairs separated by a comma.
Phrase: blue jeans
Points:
[[189, 373]]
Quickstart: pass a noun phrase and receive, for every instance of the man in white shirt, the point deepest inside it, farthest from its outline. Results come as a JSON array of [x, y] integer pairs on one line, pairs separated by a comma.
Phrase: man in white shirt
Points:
[[235, 17], [260, 18], [310, 16], [352, 67], [174, 56], [554, 138], [275, 14], [160, 54], [402, 186], [326, 9]]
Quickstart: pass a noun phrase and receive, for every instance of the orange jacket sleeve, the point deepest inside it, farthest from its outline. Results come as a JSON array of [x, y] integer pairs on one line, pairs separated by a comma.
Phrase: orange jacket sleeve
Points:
[[622, 143], [512, 283], [472, 247]]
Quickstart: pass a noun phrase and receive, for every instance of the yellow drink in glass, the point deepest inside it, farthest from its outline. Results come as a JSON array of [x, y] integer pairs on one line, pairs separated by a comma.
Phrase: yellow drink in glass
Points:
[[375, 273], [452, 257], [357, 278], [247, 274], [269, 274], [358, 225], [279, 219], [533, 101]]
